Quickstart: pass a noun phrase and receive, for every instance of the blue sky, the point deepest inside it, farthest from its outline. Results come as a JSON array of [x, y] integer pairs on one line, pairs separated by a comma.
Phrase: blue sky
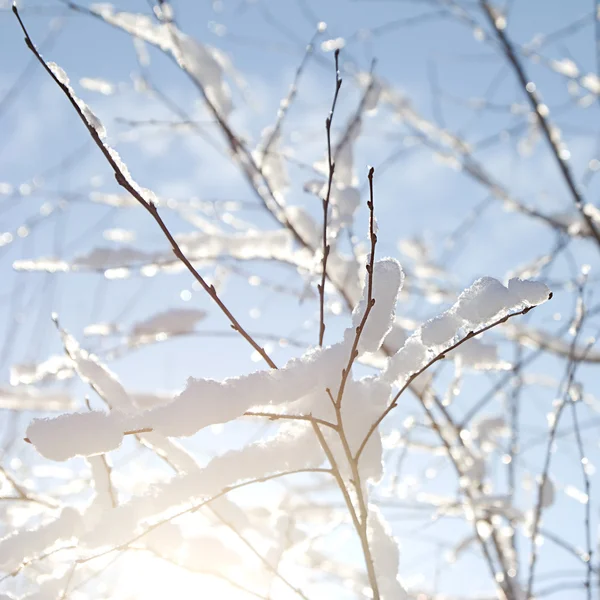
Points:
[[38, 127], [415, 195]]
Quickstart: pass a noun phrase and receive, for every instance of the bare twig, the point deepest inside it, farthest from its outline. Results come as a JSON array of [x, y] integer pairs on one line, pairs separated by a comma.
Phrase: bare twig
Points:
[[201, 504], [359, 525], [438, 357], [264, 561], [326, 199], [284, 417], [370, 300], [361, 520], [583, 461], [529, 90], [288, 101], [149, 205], [555, 419]]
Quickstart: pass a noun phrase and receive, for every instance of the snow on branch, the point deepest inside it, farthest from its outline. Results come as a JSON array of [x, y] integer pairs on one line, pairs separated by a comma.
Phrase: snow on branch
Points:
[[386, 555], [76, 434], [23, 545], [145, 197], [29, 398], [203, 63], [485, 301], [387, 283], [165, 324]]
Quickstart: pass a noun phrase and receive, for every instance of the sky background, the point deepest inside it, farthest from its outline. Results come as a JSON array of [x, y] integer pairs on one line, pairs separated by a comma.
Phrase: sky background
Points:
[[435, 60]]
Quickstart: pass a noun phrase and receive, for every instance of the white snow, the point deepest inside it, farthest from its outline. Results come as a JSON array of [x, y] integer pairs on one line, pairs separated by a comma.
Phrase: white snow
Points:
[[486, 299], [475, 354], [55, 368], [409, 359], [206, 402], [246, 245], [92, 371], [333, 44], [29, 398], [175, 321], [117, 234], [48, 264], [95, 84], [386, 555], [387, 281], [372, 88], [22, 545], [345, 201], [565, 67], [273, 165], [293, 448], [440, 330], [75, 434], [529, 293], [195, 58], [59, 73], [92, 120], [591, 82], [119, 200]]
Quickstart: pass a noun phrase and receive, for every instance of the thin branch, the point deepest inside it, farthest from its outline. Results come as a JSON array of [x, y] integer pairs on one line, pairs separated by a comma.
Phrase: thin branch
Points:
[[278, 417], [196, 507], [360, 521], [325, 201], [124, 182], [360, 528], [438, 357], [559, 408], [264, 561], [370, 300], [529, 90], [583, 461], [288, 101]]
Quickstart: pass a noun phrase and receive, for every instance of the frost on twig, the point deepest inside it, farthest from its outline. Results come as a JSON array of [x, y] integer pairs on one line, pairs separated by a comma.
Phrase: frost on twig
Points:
[[309, 424], [204, 63], [296, 389], [145, 197], [487, 300]]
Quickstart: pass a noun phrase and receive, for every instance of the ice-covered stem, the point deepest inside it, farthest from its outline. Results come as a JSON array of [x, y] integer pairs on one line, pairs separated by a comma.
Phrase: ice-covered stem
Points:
[[515, 404], [370, 300], [252, 172], [261, 558], [102, 460], [360, 521], [357, 522], [587, 507], [358, 113], [532, 97], [71, 575], [555, 419], [505, 584], [326, 199], [25, 495], [459, 471], [196, 507], [435, 359], [287, 103], [149, 205], [286, 417]]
